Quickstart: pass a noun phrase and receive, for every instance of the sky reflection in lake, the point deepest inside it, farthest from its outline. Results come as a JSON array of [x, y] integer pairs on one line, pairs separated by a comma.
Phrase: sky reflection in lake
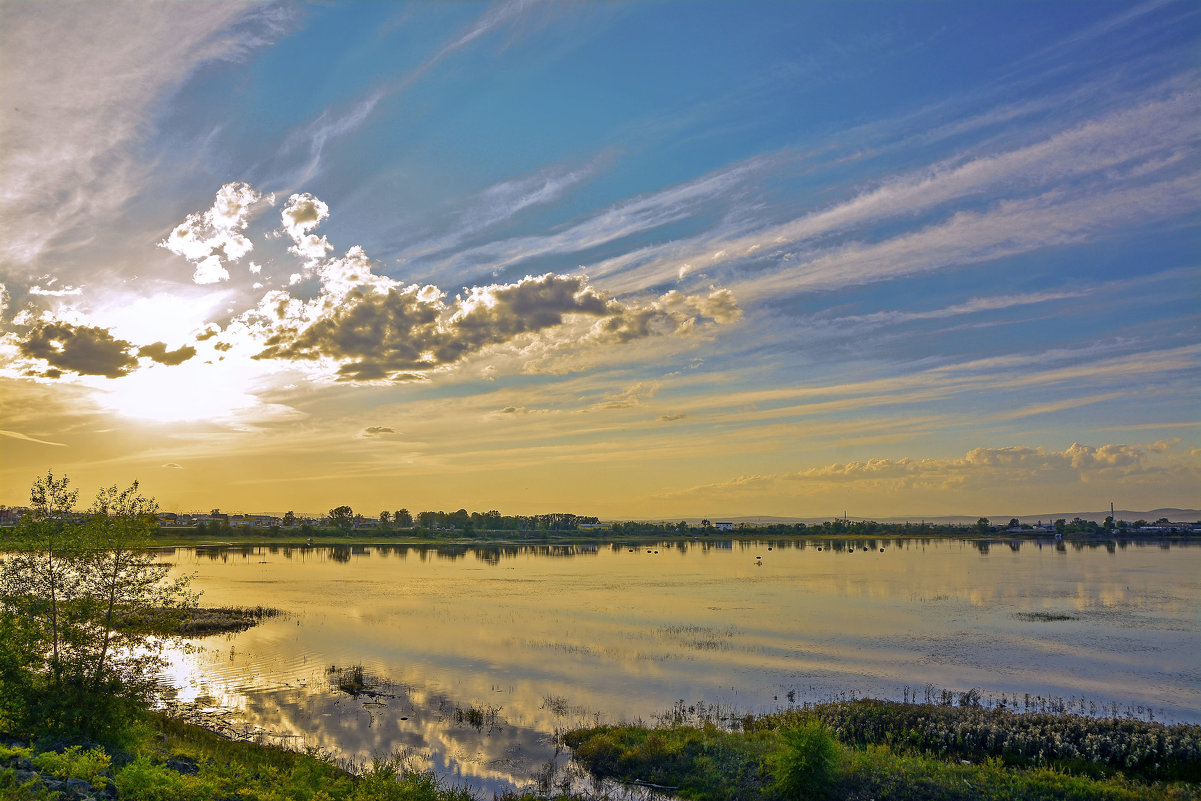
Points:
[[479, 655]]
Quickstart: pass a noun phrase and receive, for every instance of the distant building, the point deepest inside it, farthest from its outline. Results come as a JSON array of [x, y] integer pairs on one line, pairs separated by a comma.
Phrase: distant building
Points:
[[722, 526]]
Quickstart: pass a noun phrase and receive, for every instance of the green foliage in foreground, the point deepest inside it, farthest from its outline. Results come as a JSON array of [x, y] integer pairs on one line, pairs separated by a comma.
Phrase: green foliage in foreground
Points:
[[1073, 743], [862, 750], [66, 667], [217, 768]]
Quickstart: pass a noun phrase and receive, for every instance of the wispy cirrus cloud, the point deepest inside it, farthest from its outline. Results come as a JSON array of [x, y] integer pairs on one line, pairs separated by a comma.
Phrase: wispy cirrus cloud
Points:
[[500, 202], [1094, 175], [615, 223], [27, 438], [75, 105]]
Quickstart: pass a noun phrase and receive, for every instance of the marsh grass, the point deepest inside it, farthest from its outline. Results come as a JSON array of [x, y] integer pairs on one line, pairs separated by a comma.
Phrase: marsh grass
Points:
[[478, 718], [1076, 744], [198, 622], [877, 749], [351, 680], [1045, 617]]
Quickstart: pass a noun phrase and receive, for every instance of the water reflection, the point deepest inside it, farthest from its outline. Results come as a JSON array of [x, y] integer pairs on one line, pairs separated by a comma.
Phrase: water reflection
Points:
[[478, 654]]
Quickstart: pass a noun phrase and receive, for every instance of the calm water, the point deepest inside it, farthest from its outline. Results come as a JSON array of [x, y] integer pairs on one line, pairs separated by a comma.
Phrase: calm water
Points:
[[480, 655]]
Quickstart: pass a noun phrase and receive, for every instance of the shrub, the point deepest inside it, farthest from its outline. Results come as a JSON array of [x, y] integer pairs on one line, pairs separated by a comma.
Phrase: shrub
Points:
[[74, 763], [145, 781], [804, 764]]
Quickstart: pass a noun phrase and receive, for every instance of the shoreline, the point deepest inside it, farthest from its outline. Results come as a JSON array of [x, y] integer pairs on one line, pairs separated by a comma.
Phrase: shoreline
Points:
[[361, 539]]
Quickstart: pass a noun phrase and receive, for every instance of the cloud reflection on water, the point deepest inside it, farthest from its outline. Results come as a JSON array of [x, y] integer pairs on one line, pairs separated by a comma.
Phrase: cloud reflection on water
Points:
[[541, 638]]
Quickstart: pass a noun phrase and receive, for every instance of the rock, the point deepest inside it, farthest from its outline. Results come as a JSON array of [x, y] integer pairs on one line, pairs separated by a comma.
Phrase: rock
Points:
[[183, 765], [79, 788], [23, 775]]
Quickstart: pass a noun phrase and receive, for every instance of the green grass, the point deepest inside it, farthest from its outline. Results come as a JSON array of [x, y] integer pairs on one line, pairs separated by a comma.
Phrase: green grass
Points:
[[227, 769], [918, 752]]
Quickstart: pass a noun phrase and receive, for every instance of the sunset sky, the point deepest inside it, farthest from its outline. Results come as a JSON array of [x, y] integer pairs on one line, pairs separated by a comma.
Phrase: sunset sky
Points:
[[636, 260]]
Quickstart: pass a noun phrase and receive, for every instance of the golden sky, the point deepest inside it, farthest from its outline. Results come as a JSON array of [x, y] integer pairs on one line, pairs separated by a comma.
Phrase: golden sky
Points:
[[607, 259]]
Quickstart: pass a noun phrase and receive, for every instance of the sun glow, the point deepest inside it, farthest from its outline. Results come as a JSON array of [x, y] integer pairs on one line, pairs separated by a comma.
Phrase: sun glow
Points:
[[180, 393]]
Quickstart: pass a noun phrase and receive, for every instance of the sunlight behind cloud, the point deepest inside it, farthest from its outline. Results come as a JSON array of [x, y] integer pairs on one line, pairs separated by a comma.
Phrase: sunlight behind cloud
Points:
[[193, 391], [174, 318]]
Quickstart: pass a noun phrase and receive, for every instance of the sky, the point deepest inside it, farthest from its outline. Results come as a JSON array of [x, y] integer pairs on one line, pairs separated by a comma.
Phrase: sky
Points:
[[635, 260]]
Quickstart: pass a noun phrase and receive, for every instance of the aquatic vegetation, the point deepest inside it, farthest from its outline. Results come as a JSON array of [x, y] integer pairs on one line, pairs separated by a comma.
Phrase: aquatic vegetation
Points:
[[875, 749], [1045, 617], [199, 622], [348, 679], [478, 718], [1071, 742]]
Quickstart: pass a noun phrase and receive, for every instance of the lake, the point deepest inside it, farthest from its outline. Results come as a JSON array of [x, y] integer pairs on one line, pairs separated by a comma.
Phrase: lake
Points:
[[475, 656]]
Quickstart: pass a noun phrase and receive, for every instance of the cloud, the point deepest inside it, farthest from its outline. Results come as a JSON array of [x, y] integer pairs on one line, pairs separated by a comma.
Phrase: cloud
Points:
[[621, 220], [76, 105], [374, 334], [626, 399], [671, 418], [172, 466], [213, 238], [501, 201], [1011, 465], [377, 431], [976, 474], [373, 328], [1076, 183], [50, 290], [673, 313], [302, 214], [81, 349], [27, 438], [159, 353]]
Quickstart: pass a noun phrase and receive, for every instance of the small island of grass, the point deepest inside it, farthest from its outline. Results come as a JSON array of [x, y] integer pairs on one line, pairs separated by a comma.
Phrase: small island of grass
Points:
[[199, 621]]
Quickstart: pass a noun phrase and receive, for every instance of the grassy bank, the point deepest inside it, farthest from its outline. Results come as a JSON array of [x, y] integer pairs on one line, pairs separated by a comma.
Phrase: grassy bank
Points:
[[167, 760], [923, 752], [847, 750]]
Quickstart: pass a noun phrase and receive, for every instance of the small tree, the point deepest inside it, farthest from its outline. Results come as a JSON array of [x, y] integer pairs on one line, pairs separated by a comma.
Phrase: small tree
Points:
[[289, 519], [385, 518], [402, 518], [68, 588]]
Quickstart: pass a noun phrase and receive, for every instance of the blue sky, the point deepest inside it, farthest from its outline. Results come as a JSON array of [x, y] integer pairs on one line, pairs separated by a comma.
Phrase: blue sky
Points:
[[627, 259]]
